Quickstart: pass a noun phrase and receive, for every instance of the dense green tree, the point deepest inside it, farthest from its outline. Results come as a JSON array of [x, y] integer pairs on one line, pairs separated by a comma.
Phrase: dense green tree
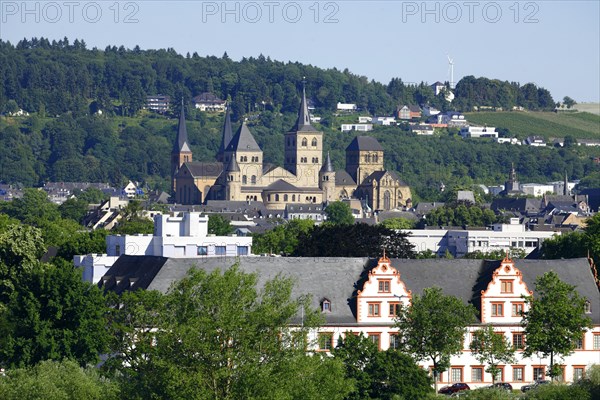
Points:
[[569, 102], [46, 311], [381, 374], [575, 244], [218, 225], [57, 380], [32, 208], [283, 239], [74, 209], [398, 223], [339, 213], [133, 220], [492, 349], [555, 319], [358, 240], [434, 327], [218, 336]]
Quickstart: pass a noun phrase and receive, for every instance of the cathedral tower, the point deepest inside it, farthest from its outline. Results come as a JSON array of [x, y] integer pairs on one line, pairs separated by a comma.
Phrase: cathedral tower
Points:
[[226, 136], [181, 152], [304, 148], [327, 180]]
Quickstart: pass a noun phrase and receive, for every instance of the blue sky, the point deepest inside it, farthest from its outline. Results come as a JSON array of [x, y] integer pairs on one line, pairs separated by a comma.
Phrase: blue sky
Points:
[[555, 44]]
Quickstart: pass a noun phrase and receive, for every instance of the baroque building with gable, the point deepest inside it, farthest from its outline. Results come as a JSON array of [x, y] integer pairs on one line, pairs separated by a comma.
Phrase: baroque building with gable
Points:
[[363, 296], [240, 173]]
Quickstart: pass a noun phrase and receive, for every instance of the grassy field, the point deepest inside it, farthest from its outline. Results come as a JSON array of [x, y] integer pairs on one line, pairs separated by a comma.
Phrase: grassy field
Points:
[[581, 125]]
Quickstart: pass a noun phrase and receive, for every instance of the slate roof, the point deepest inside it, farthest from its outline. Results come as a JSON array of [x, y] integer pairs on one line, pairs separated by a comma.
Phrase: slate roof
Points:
[[364, 143], [524, 205], [198, 169], [377, 175], [303, 121], [181, 144], [227, 133], [243, 140], [281, 186], [233, 165], [327, 166], [343, 178], [338, 279]]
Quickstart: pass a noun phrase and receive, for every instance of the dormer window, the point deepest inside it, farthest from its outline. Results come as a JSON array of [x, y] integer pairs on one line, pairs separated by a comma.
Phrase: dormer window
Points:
[[587, 307], [326, 305]]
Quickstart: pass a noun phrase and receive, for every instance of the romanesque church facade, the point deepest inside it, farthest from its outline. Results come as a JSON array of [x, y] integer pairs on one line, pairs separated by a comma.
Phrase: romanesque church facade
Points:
[[240, 173]]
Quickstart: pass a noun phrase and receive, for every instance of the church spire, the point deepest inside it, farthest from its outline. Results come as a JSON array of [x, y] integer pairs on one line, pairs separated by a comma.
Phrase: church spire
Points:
[[327, 166], [227, 134], [181, 144], [566, 185], [303, 121]]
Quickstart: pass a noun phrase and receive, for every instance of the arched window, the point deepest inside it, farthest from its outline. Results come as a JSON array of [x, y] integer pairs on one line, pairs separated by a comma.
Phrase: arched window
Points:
[[314, 142], [244, 180], [285, 197], [293, 197], [386, 200], [276, 197], [304, 142], [587, 307], [253, 179]]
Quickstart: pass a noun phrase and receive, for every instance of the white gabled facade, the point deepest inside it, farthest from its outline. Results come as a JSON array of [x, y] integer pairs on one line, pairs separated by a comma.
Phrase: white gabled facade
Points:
[[501, 306]]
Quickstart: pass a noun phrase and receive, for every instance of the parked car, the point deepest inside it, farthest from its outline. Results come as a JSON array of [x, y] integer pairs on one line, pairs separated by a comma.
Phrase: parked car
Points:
[[533, 385], [451, 389], [501, 385]]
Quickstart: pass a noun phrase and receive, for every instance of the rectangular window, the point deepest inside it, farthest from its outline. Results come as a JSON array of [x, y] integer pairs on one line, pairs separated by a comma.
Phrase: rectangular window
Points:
[[437, 378], [220, 250], [376, 339], [394, 341], [579, 343], [506, 286], [518, 374], [374, 310], [517, 341], [394, 309], [456, 374], [539, 373], [497, 309], [384, 286], [477, 374], [118, 250], [202, 250], [517, 309], [596, 341], [325, 341], [242, 250], [578, 373], [500, 374]]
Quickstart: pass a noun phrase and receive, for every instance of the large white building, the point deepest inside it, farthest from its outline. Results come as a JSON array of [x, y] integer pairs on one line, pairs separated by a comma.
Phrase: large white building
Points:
[[357, 295], [462, 241], [181, 236]]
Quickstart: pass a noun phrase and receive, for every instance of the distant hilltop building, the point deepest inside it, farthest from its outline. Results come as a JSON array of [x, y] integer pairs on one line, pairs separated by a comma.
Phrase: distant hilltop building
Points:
[[159, 103], [240, 174], [208, 102]]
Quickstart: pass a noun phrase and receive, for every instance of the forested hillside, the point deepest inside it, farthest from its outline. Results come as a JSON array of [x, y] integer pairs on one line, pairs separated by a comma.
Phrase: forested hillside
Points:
[[56, 77], [61, 85]]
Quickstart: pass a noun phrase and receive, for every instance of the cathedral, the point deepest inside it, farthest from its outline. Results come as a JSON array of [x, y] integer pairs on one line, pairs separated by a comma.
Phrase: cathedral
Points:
[[240, 174]]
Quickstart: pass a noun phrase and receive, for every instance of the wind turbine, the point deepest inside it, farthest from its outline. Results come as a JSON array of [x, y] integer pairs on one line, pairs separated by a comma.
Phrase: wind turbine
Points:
[[451, 70]]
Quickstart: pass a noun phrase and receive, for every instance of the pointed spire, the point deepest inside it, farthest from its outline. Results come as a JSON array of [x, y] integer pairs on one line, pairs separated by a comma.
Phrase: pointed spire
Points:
[[303, 121], [227, 131], [233, 166], [327, 166], [181, 143], [243, 140]]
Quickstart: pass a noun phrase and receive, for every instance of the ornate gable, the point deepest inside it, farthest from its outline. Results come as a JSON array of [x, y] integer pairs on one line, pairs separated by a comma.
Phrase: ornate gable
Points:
[[381, 294], [502, 301]]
